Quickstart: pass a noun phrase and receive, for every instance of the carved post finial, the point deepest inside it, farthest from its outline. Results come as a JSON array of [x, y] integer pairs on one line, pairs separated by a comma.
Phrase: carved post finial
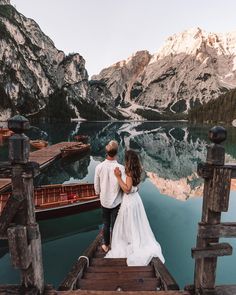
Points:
[[216, 152], [18, 124], [19, 142], [217, 134]]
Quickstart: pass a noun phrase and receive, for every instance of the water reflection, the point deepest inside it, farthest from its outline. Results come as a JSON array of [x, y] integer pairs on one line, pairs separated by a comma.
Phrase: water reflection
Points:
[[65, 169], [169, 152]]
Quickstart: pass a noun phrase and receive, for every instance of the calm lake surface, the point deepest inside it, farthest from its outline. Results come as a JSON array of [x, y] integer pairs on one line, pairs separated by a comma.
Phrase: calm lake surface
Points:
[[171, 193]]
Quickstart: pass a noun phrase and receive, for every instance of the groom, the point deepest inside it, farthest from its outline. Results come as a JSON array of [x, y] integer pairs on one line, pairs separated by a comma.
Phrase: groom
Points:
[[106, 185]]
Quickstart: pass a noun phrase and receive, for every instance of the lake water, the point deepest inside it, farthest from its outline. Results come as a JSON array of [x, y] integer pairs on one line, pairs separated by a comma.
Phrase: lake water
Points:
[[171, 193]]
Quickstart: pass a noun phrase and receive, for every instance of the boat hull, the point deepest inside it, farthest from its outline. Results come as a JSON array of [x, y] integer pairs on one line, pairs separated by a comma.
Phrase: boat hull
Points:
[[49, 213], [59, 200]]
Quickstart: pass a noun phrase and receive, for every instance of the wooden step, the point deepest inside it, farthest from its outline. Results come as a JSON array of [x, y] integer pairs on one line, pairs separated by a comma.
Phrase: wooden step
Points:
[[213, 250], [131, 275], [108, 262], [119, 269], [144, 284]]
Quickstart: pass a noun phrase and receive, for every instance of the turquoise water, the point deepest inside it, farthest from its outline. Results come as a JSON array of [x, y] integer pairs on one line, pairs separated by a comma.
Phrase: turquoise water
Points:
[[171, 154]]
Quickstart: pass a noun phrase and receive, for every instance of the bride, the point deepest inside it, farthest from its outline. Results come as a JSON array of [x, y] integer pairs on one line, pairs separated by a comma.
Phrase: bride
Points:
[[132, 237]]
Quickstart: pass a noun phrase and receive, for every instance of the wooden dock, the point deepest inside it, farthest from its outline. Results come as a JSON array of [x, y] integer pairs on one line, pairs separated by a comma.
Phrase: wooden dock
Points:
[[94, 272], [44, 157], [49, 290]]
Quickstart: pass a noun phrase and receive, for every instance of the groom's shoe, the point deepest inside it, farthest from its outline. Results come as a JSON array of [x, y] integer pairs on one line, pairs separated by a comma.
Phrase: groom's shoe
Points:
[[105, 248]]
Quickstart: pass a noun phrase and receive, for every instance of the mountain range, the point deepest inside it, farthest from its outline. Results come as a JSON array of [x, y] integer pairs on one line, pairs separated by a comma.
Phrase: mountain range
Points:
[[192, 68]]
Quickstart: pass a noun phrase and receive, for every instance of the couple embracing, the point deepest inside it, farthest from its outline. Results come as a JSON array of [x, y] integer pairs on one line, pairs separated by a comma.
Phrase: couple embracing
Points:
[[123, 212]]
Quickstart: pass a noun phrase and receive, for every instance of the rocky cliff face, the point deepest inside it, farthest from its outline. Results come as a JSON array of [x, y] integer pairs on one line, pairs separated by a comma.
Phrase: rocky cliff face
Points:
[[191, 68], [121, 78], [5, 2], [37, 79]]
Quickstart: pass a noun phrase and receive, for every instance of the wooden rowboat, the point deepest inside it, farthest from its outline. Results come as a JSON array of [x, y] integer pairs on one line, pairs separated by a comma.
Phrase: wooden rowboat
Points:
[[59, 200], [39, 143], [5, 132], [92, 271], [74, 150]]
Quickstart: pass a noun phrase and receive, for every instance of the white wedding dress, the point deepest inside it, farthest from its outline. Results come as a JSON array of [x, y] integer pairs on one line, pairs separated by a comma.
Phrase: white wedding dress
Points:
[[132, 237]]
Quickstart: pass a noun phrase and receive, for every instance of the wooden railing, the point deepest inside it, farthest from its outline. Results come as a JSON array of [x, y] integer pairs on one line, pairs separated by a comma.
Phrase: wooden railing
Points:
[[17, 221], [18, 225], [217, 179]]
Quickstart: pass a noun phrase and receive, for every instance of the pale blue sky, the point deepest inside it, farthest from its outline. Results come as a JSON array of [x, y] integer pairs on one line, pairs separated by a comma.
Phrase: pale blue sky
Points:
[[106, 31]]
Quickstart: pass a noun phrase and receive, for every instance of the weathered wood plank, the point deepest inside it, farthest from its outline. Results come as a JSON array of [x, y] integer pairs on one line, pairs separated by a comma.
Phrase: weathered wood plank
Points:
[[20, 290], [108, 262], [19, 249], [205, 170], [131, 275], [145, 284], [232, 167], [15, 289], [5, 170], [221, 230], [33, 231], [212, 250], [162, 272], [90, 292], [79, 266], [119, 269], [219, 195], [9, 211], [226, 290]]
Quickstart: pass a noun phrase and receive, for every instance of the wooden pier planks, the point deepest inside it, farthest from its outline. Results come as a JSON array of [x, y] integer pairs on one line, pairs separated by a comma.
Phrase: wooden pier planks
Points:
[[47, 155], [44, 157], [220, 290], [111, 274], [11, 289]]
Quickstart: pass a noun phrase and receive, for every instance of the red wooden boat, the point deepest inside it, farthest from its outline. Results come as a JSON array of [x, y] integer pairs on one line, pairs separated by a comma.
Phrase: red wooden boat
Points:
[[81, 138], [38, 143], [5, 132], [59, 200], [74, 150]]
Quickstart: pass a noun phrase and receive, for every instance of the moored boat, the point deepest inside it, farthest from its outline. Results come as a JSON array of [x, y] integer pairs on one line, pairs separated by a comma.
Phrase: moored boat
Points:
[[39, 143], [74, 150], [5, 132], [59, 200]]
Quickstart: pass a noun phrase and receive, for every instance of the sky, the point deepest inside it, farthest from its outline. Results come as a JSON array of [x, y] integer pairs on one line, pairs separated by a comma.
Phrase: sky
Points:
[[107, 31]]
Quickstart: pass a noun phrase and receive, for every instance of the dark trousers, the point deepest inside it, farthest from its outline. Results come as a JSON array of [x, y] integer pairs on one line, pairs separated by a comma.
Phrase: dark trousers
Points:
[[109, 217]]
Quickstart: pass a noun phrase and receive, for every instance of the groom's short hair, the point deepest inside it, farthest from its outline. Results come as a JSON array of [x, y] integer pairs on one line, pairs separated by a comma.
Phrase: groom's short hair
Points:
[[112, 148]]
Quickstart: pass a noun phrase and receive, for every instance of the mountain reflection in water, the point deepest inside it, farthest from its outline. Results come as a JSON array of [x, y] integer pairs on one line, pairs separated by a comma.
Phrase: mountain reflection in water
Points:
[[169, 154]]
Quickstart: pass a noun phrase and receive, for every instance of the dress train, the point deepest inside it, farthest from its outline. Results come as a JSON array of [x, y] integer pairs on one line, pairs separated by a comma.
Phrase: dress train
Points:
[[132, 237]]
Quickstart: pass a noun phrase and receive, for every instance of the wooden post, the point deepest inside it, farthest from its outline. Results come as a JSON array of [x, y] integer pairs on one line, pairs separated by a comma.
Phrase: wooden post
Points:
[[27, 234], [205, 267]]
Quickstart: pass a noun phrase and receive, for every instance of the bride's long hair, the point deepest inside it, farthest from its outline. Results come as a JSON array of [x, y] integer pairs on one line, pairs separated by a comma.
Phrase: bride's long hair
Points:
[[133, 166]]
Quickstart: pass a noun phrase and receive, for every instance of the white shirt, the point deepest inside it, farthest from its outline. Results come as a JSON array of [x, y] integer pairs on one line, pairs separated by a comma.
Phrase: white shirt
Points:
[[106, 184]]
